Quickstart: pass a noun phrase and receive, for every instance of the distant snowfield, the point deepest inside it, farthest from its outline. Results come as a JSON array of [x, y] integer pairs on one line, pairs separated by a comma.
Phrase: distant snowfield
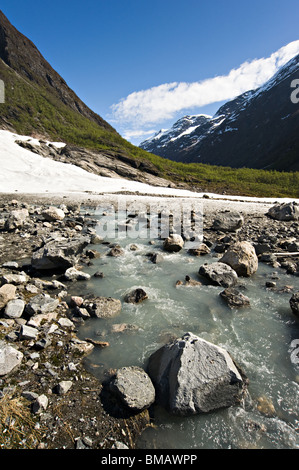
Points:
[[24, 172]]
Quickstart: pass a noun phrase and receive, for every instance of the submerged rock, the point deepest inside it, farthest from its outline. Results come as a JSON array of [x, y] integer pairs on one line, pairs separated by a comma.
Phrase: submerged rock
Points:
[[234, 298], [136, 296], [194, 376], [218, 273], [242, 258]]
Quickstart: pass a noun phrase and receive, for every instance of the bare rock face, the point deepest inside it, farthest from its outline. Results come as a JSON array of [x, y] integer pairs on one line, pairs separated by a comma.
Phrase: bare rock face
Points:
[[242, 258], [194, 376]]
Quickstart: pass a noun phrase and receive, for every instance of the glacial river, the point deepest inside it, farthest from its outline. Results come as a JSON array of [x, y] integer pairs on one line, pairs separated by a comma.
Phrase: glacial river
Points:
[[262, 338]]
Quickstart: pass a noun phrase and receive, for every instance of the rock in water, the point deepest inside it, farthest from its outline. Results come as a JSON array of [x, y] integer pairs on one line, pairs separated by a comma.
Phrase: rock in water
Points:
[[103, 307], [194, 376], [242, 258], [136, 296], [219, 274], [294, 303], [133, 387], [174, 243], [234, 298]]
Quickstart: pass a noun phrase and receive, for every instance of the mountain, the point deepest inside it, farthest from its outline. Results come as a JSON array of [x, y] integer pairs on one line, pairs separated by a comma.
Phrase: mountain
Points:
[[258, 129], [39, 103]]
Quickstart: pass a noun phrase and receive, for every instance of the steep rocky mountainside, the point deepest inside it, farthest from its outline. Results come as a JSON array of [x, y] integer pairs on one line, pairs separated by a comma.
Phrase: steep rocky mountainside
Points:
[[258, 129], [39, 103], [20, 55]]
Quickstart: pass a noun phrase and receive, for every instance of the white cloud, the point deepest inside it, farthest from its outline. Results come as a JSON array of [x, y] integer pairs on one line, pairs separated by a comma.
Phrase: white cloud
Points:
[[154, 105]]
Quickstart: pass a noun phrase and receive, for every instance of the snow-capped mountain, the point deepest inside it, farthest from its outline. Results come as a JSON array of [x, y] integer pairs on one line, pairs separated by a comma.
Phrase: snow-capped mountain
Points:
[[258, 129]]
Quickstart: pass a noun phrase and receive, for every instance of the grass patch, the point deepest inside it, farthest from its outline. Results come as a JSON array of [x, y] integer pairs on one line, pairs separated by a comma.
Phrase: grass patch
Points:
[[17, 425]]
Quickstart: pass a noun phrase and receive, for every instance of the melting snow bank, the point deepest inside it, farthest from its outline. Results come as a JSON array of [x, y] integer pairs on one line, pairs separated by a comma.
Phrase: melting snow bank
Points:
[[25, 172]]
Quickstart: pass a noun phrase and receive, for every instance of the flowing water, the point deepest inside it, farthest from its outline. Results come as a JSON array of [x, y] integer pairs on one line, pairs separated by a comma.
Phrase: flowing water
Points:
[[261, 338]]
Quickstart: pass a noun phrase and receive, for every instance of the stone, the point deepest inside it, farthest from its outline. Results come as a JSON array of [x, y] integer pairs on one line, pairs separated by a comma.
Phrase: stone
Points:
[[115, 252], [52, 214], [63, 387], [192, 376], [294, 303], [14, 308], [219, 274], [201, 250], [136, 296], [103, 307], [242, 258], [73, 274], [133, 387], [10, 358], [16, 279], [16, 219], [40, 404], [285, 211], [7, 293], [234, 298], [59, 254], [40, 304], [28, 332], [66, 323], [156, 258], [228, 222], [174, 243]]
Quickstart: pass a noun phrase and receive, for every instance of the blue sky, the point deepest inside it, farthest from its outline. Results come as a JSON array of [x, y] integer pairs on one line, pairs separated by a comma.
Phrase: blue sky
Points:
[[139, 63]]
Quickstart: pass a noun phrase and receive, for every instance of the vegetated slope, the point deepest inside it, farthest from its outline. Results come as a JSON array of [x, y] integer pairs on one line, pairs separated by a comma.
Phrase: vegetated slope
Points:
[[258, 129], [38, 102]]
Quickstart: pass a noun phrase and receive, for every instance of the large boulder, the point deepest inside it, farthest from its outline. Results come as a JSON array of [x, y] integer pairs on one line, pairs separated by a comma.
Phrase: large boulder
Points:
[[219, 274], [133, 387], [59, 254], [10, 358], [174, 243], [228, 221], [242, 258], [285, 211], [194, 376]]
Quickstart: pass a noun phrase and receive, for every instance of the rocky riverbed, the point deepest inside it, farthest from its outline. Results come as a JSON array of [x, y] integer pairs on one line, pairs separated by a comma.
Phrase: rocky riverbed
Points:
[[44, 247]]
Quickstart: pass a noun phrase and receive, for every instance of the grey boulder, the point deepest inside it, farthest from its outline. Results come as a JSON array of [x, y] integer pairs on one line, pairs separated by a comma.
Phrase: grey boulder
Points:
[[219, 274], [285, 211], [133, 387], [228, 222], [193, 376]]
